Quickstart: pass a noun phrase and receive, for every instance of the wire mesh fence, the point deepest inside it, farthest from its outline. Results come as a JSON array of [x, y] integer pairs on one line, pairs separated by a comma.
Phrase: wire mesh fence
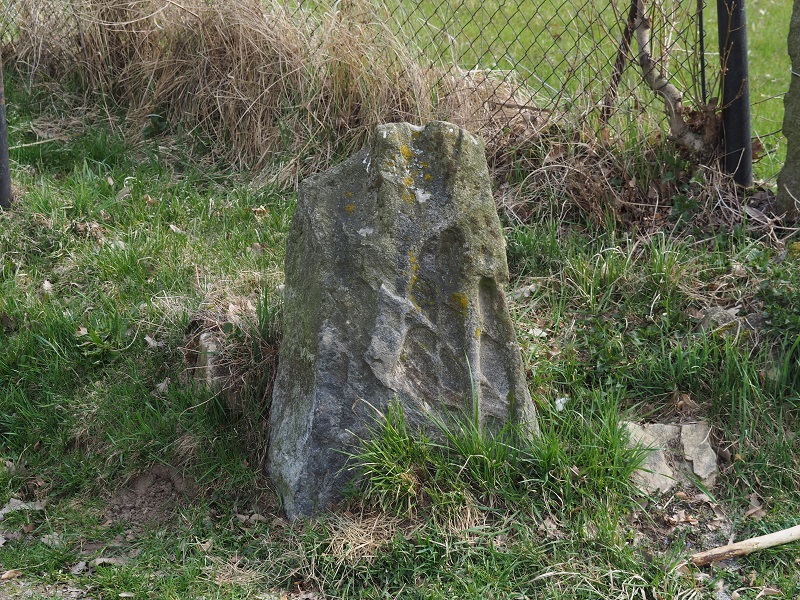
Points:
[[529, 61], [260, 74]]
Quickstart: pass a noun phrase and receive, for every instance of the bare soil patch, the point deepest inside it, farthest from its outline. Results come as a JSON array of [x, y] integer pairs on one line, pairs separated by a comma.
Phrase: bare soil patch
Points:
[[151, 498]]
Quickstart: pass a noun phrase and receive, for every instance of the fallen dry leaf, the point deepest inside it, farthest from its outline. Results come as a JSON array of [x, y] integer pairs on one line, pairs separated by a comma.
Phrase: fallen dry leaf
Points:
[[755, 511], [15, 504], [177, 229], [769, 591], [551, 527], [53, 540], [162, 387], [681, 517], [78, 568], [12, 574]]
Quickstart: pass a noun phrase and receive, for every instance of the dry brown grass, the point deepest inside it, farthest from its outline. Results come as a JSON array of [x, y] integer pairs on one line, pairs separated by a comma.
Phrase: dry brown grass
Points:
[[257, 82], [260, 83]]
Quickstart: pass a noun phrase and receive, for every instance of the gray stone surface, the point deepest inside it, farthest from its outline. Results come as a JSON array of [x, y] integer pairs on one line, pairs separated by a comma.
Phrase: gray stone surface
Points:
[[788, 198], [655, 474], [696, 444], [680, 453], [395, 288]]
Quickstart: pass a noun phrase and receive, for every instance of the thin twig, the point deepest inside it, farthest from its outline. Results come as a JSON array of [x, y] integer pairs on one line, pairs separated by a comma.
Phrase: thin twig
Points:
[[673, 101], [37, 143]]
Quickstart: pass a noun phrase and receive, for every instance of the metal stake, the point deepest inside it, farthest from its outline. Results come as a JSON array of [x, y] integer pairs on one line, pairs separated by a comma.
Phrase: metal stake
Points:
[[735, 91], [5, 167]]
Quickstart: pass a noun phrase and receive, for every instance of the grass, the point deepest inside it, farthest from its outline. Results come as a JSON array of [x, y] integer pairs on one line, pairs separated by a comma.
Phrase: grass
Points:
[[126, 242], [116, 252]]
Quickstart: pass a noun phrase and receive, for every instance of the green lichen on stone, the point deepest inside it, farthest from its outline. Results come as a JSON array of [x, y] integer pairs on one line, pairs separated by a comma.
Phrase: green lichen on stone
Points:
[[461, 301]]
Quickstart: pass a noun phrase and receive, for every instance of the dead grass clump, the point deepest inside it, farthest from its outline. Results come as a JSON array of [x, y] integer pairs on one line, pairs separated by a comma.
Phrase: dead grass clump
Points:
[[360, 537], [256, 81], [233, 353], [263, 83]]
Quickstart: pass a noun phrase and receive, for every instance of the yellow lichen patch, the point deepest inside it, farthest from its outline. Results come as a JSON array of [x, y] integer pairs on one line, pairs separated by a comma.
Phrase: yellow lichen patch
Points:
[[349, 195], [408, 197], [428, 177], [461, 300], [406, 152], [414, 267], [412, 261], [408, 180], [348, 208], [477, 332], [424, 165]]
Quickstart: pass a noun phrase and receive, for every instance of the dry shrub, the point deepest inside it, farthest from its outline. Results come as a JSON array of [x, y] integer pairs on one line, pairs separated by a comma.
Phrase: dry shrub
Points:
[[264, 83], [254, 80], [261, 83]]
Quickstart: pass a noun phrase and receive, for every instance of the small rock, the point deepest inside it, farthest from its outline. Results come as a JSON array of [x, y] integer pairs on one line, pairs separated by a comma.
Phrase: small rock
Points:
[[695, 439], [679, 454], [719, 320], [655, 474]]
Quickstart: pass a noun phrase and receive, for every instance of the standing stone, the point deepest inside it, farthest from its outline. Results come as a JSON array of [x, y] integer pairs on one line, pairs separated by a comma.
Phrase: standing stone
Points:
[[788, 198], [395, 279]]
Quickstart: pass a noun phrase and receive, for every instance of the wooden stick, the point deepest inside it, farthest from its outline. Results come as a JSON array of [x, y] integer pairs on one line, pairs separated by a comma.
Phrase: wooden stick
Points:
[[747, 546], [619, 64], [37, 143]]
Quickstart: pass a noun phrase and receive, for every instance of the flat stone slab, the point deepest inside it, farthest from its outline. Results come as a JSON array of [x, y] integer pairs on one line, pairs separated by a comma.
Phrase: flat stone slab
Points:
[[680, 453]]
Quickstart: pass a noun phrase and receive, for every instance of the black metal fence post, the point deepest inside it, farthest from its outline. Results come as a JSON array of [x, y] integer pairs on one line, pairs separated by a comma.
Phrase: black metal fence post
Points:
[[735, 91], [5, 167]]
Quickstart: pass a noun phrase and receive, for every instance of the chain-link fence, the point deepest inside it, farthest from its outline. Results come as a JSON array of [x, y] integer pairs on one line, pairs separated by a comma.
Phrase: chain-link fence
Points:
[[504, 68], [528, 61]]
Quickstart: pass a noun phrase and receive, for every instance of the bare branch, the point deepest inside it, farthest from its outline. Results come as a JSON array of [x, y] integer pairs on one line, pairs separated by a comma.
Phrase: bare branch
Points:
[[673, 100]]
